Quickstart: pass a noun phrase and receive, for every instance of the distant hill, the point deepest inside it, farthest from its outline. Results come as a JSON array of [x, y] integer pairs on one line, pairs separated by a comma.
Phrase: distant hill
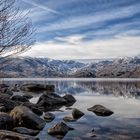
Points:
[[119, 68], [44, 67]]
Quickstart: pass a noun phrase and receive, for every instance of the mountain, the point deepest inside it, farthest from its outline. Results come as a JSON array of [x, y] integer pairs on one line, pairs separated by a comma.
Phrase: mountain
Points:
[[39, 67], [45, 67], [119, 68]]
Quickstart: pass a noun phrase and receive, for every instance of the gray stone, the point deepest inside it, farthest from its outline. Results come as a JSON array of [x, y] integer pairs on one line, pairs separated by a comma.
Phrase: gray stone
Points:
[[59, 130], [9, 135], [6, 121], [100, 110], [77, 114], [26, 131], [49, 117], [24, 117]]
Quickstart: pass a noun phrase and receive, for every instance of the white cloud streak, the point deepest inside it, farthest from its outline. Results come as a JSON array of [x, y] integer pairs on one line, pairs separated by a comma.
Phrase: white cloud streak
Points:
[[114, 48], [41, 6], [80, 21]]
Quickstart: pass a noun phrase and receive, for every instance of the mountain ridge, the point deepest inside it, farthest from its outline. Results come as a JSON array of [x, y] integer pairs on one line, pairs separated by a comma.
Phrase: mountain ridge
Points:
[[48, 68]]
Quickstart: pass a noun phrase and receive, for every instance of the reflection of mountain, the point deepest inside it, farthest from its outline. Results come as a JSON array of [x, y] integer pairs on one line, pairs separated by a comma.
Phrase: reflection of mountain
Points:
[[125, 89]]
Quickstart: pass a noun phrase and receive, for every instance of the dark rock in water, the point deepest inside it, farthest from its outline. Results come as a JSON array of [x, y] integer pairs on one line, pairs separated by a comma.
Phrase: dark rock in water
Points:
[[9, 104], [28, 96], [34, 107], [24, 117], [6, 121], [77, 114], [9, 135], [2, 108], [36, 111], [59, 130], [68, 119], [26, 131], [49, 117], [68, 108], [19, 98], [38, 87], [5, 96], [69, 98], [51, 100], [100, 110], [3, 88], [9, 92]]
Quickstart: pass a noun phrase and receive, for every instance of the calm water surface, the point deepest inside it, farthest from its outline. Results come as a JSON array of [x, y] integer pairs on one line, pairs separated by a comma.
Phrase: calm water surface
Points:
[[121, 96]]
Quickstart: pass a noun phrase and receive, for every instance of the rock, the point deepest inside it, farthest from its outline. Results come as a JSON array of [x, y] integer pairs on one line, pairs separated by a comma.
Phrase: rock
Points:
[[24, 117], [68, 108], [28, 96], [9, 135], [77, 114], [8, 104], [19, 98], [3, 88], [100, 110], [59, 130], [36, 111], [49, 117], [9, 92], [69, 98], [38, 87], [51, 100], [68, 119], [6, 121], [5, 96], [34, 107], [26, 131], [2, 108]]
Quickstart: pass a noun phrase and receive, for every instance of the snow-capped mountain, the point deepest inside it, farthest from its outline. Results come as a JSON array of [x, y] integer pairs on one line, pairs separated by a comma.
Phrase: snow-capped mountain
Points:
[[39, 67], [120, 68], [44, 67]]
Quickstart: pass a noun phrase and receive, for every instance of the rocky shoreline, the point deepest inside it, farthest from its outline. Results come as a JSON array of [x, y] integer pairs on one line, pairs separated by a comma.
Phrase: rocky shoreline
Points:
[[21, 119]]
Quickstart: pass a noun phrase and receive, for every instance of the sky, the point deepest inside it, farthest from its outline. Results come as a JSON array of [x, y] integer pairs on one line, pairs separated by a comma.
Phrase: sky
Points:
[[84, 29]]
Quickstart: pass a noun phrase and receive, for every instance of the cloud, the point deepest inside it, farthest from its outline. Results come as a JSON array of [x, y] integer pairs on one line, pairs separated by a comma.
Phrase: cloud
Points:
[[113, 48], [85, 20], [75, 39], [41, 6]]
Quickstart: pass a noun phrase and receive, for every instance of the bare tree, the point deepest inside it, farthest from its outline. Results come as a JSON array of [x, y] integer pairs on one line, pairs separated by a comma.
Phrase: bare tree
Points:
[[16, 30]]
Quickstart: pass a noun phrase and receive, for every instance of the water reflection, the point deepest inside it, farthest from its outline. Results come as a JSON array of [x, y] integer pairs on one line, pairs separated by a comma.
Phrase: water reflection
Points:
[[124, 124]]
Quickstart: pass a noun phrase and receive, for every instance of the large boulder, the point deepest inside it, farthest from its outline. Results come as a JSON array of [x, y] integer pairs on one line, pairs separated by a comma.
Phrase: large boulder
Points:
[[76, 113], [32, 87], [6, 121], [9, 135], [51, 100], [26, 131], [100, 110], [59, 130], [24, 117]]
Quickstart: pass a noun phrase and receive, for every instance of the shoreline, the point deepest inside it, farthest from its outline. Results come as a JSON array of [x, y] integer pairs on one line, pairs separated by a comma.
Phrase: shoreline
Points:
[[74, 79]]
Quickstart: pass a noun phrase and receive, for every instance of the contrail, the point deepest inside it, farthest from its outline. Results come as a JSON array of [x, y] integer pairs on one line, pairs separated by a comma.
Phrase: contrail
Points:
[[41, 6]]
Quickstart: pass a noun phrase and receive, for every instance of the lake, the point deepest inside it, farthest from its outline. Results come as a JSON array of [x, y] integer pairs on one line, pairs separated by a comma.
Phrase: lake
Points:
[[122, 96]]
